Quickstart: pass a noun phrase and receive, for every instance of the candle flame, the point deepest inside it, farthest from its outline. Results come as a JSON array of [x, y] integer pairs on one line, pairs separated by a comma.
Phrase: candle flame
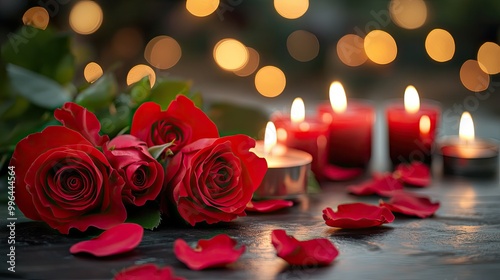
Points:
[[466, 128], [270, 138], [425, 124], [338, 99], [298, 111], [412, 101]]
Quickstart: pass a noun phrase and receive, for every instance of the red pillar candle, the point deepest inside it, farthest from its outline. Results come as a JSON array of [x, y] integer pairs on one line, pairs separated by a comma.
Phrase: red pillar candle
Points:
[[350, 125], [411, 128], [306, 134]]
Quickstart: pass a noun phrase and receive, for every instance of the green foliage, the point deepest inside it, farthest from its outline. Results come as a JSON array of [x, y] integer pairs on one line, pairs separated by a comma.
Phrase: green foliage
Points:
[[100, 94], [148, 216], [36, 88], [41, 51]]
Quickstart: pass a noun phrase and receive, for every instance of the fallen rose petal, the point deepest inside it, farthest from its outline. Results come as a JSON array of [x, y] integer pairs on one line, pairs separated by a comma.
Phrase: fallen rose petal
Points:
[[357, 215], [267, 206], [416, 174], [116, 240], [216, 252], [147, 271], [337, 173], [319, 251], [411, 204], [382, 184]]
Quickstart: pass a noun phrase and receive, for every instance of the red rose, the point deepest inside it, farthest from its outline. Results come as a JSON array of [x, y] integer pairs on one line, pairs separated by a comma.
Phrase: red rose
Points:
[[182, 122], [142, 173], [79, 119], [212, 180], [66, 182]]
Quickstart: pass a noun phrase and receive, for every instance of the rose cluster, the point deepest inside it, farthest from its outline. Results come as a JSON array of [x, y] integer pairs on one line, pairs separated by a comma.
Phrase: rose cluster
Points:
[[70, 176]]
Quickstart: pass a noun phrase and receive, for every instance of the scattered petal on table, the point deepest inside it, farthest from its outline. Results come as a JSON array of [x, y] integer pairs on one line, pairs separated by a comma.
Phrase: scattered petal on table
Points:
[[337, 173], [382, 184], [116, 240], [416, 174], [216, 252], [147, 271], [319, 251], [411, 204], [266, 206], [357, 215]]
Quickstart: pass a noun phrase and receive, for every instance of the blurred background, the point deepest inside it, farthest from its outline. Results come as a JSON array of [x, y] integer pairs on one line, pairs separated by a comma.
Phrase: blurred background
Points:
[[264, 53]]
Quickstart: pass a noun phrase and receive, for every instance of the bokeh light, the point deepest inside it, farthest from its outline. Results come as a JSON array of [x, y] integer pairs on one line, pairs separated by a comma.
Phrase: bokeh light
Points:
[[85, 17], [380, 47], [351, 51], [440, 45], [408, 14], [302, 45], [127, 42], [92, 72], [202, 8], [37, 17], [270, 81], [140, 71], [488, 57], [291, 9], [252, 64], [230, 54], [163, 52], [472, 77]]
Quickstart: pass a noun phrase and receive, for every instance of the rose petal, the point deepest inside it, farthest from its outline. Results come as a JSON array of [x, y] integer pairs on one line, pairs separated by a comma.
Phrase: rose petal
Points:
[[116, 240], [319, 251], [337, 173], [28, 150], [416, 174], [267, 206], [381, 184], [216, 252], [357, 215], [79, 119], [411, 204], [147, 271], [182, 116]]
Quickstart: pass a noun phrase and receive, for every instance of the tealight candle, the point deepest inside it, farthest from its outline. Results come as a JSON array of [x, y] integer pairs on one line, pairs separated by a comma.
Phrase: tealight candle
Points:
[[466, 155], [305, 134], [411, 128], [350, 124], [287, 171]]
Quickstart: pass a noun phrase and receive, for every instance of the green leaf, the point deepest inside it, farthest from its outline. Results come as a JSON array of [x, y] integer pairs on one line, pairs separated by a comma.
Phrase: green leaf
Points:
[[12, 108], [165, 91], [148, 216], [38, 89], [42, 51], [157, 151], [141, 90], [99, 94], [235, 119]]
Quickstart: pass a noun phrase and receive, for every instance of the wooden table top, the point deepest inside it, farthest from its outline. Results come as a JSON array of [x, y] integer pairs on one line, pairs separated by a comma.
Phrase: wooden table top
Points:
[[462, 241]]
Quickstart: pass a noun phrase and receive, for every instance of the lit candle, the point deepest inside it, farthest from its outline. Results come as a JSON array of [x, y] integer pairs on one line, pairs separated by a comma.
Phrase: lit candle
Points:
[[466, 155], [412, 128], [287, 171], [306, 134], [350, 125]]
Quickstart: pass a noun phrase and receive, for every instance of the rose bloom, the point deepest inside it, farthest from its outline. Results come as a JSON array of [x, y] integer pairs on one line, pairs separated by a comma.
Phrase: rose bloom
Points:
[[63, 180], [213, 179], [143, 175], [182, 122]]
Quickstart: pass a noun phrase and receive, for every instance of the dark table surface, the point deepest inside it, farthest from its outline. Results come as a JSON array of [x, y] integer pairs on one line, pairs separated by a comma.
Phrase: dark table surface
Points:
[[462, 241]]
